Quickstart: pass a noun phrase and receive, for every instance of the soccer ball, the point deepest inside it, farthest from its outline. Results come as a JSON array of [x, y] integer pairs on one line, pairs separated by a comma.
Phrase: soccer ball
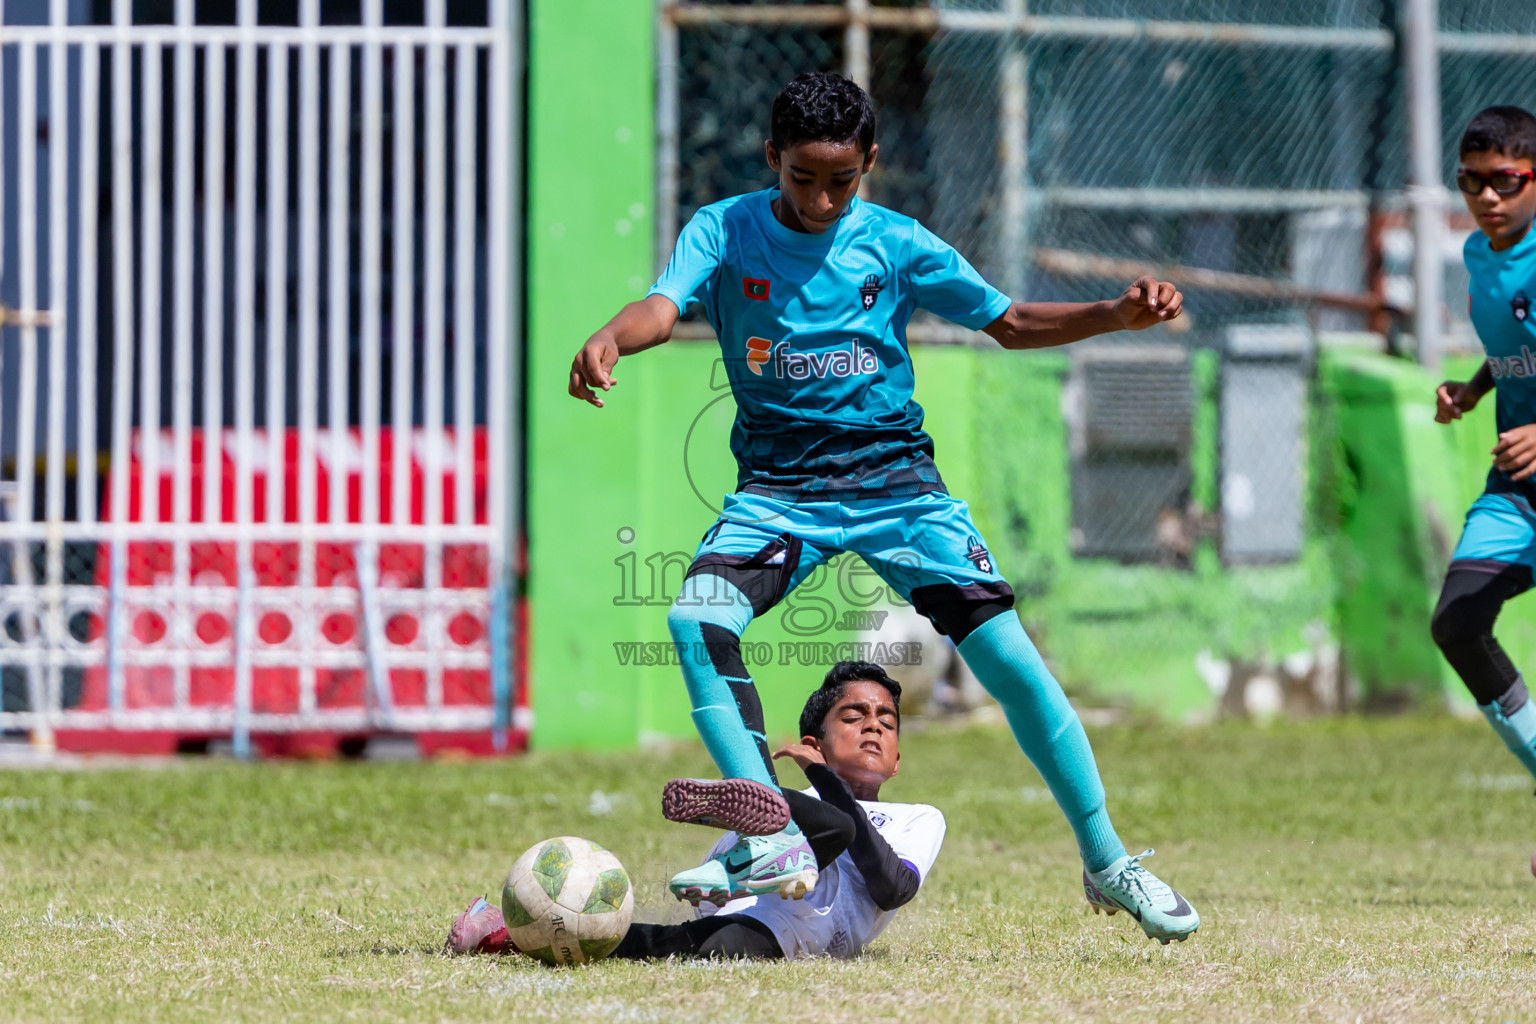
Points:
[[567, 901]]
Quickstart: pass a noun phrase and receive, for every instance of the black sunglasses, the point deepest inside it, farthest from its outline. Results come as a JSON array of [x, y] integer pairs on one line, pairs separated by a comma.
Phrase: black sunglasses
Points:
[[1505, 183]]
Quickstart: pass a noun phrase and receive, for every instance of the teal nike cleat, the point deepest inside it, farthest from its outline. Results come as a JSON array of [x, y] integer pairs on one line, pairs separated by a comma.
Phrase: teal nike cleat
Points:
[[755, 866], [1125, 885]]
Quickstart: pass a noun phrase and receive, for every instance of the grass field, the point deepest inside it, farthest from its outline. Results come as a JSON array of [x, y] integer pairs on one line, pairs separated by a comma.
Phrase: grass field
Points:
[[1350, 870]]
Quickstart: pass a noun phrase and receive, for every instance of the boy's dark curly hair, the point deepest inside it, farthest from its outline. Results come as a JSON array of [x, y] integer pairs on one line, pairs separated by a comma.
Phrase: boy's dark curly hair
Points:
[[1507, 130], [822, 107], [813, 719]]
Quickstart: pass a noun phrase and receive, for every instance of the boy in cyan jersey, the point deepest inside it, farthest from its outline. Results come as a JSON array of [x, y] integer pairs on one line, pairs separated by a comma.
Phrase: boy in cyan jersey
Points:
[[810, 290], [1496, 555]]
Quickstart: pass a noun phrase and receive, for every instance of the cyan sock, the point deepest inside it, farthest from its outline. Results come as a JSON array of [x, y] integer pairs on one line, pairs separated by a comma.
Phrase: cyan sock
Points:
[[1513, 717], [706, 623], [1047, 730]]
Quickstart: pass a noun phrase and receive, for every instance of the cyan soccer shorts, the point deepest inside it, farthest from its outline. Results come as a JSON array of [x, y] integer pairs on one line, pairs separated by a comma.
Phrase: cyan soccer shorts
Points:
[[925, 547]]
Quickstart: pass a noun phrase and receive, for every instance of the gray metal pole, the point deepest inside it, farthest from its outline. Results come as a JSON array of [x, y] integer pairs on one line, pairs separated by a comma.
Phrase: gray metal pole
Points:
[[666, 135], [1426, 190], [856, 57], [856, 43], [504, 360], [1013, 135]]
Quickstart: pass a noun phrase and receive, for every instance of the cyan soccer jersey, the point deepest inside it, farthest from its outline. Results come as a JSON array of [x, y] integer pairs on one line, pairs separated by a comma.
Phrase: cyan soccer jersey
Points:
[[1502, 291], [813, 332], [1501, 525]]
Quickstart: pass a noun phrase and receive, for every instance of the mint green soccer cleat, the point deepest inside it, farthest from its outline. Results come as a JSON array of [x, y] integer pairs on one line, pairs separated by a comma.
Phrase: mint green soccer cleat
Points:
[[1125, 885], [755, 866]]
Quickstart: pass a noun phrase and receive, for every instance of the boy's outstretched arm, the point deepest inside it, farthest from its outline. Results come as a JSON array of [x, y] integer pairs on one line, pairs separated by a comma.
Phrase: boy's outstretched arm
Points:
[[1454, 397], [1146, 302], [637, 327]]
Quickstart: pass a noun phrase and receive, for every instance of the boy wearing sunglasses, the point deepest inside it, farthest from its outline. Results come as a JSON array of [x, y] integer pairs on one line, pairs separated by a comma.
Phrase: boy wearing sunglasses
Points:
[[1497, 553]]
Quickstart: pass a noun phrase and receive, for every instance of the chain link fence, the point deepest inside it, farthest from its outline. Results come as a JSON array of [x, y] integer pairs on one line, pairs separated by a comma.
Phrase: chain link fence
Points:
[[1255, 153]]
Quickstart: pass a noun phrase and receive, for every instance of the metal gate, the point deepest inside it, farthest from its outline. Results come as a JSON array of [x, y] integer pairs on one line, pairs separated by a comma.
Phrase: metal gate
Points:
[[258, 356]]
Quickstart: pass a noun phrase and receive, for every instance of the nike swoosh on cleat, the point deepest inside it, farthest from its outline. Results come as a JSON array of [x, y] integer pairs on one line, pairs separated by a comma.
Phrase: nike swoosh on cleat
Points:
[[1181, 909], [1133, 910], [736, 865], [1111, 904]]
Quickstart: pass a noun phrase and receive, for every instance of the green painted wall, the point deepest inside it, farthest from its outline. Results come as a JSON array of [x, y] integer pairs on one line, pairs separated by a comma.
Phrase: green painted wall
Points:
[[1130, 633], [1401, 485], [619, 497], [1392, 467], [589, 240]]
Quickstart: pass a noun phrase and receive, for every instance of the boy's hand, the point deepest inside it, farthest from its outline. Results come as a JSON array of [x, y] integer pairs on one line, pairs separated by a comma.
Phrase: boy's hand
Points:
[[1515, 453], [590, 369], [1146, 302], [1453, 398], [802, 754]]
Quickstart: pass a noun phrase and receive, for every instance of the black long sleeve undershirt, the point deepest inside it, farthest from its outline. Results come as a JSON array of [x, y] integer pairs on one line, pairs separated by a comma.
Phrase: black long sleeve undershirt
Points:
[[890, 881]]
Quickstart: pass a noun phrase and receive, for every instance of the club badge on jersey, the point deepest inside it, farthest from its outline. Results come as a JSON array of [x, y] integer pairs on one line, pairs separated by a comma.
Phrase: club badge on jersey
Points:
[[869, 291], [1520, 306]]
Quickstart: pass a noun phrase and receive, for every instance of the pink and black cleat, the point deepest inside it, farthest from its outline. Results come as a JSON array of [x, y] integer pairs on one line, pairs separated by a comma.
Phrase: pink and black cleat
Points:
[[480, 929], [737, 805]]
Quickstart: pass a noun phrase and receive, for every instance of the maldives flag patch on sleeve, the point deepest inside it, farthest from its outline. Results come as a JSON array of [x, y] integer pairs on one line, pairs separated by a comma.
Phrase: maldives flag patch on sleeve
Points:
[[755, 288]]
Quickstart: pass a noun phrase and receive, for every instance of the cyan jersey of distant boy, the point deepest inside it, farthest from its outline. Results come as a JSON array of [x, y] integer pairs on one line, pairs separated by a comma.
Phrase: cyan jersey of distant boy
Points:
[[813, 330], [1503, 309]]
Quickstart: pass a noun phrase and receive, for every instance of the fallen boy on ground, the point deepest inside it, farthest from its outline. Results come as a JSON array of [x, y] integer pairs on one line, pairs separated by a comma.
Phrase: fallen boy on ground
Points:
[[872, 856]]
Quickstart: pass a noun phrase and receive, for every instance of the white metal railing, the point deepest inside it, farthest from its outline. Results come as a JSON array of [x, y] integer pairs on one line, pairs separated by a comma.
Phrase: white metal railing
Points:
[[231, 575]]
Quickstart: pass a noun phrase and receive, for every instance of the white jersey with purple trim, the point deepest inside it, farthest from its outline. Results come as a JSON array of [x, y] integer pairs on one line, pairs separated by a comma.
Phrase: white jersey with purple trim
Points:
[[838, 918]]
